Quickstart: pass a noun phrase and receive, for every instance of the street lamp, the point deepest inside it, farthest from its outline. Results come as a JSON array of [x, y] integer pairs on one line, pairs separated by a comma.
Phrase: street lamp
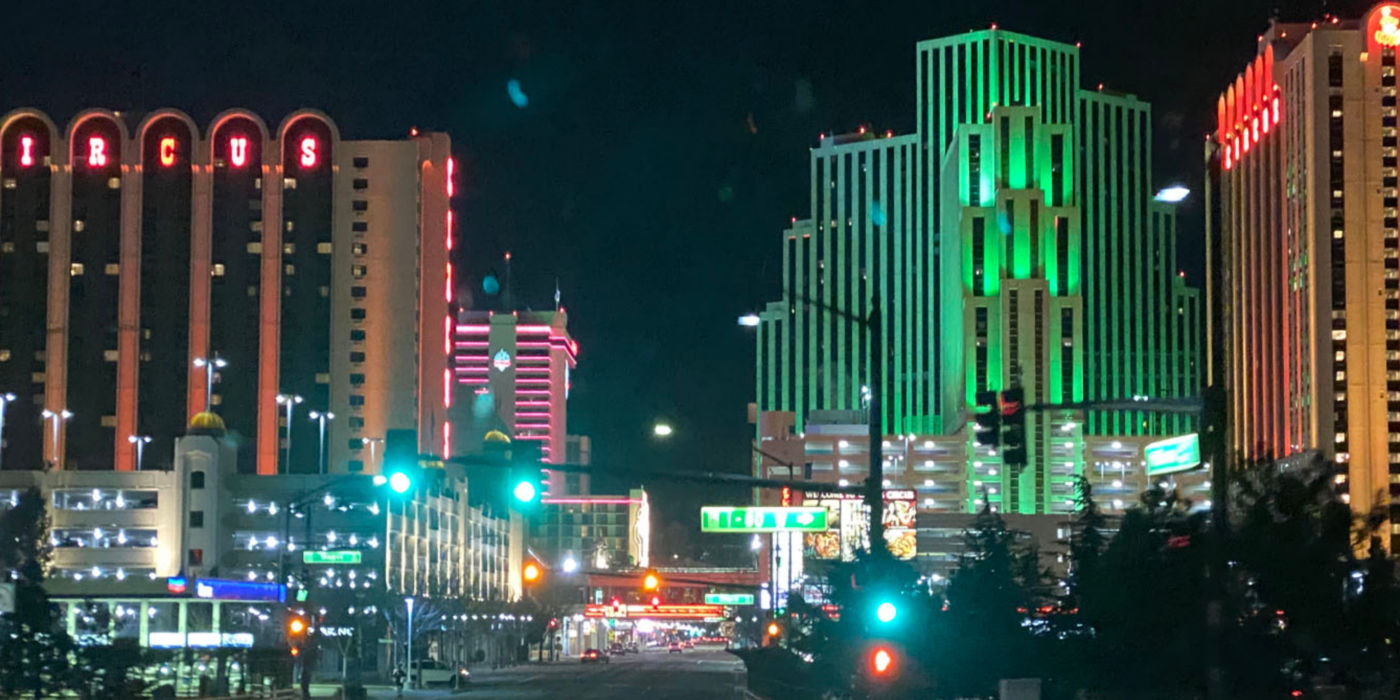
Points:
[[290, 401], [321, 417], [5, 400], [209, 365], [140, 441], [58, 417], [370, 443], [662, 430]]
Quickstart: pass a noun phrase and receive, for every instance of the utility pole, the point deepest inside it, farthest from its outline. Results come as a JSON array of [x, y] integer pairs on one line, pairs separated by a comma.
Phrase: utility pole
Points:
[[874, 483]]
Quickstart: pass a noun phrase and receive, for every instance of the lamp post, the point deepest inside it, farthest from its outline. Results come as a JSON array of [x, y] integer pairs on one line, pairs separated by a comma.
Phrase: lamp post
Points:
[[290, 401], [321, 417], [5, 400], [209, 365], [140, 441], [408, 642], [57, 417], [370, 443]]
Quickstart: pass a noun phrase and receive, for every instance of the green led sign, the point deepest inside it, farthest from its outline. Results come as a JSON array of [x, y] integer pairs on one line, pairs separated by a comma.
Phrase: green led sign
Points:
[[343, 556], [1173, 455], [762, 519], [729, 599]]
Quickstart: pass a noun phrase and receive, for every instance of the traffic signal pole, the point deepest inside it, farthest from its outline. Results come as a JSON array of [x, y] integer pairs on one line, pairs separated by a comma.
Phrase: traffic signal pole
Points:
[[874, 482]]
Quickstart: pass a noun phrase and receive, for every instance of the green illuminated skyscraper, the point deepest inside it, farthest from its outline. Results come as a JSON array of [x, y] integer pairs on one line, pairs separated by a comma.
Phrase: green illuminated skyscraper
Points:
[[1013, 239]]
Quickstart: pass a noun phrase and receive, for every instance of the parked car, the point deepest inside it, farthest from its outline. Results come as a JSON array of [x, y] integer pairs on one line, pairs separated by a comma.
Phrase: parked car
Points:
[[673, 648], [433, 672], [594, 656]]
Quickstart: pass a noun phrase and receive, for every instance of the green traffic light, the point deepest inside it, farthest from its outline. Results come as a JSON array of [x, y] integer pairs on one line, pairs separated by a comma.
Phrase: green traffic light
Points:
[[525, 492], [399, 482], [886, 612]]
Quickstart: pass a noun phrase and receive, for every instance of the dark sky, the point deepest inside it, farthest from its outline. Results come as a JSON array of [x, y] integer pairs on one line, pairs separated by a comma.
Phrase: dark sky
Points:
[[633, 176]]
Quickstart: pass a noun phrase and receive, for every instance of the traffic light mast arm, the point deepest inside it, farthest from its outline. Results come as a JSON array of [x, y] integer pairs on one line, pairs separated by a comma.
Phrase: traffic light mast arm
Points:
[[665, 475]]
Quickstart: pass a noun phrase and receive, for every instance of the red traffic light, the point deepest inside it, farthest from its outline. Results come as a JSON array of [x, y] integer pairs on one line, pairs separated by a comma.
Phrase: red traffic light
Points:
[[881, 661]]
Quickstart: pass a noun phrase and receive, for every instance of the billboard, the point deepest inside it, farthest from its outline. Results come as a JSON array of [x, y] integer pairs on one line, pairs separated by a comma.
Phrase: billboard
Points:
[[847, 531]]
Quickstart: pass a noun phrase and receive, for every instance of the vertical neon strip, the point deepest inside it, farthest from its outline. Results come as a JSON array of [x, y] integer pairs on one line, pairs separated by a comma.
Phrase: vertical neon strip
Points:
[[447, 388], [26, 151], [447, 290], [447, 440], [447, 335], [449, 229], [451, 173]]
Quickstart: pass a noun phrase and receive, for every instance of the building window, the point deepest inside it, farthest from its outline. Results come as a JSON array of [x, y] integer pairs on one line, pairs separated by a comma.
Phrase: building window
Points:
[[357, 379], [75, 270], [217, 270], [197, 480], [359, 248], [361, 162], [357, 314], [359, 226], [357, 356], [357, 335], [196, 519], [358, 271], [196, 557], [357, 292], [360, 183], [359, 205], [357, 400]]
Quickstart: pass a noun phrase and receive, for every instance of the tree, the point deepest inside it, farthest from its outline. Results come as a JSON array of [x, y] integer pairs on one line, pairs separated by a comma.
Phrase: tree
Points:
[[106, 670], [980, 638], [34, 657]]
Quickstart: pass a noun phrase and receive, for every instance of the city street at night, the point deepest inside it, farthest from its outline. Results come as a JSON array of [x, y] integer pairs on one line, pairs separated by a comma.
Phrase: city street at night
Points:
[[707, 673]]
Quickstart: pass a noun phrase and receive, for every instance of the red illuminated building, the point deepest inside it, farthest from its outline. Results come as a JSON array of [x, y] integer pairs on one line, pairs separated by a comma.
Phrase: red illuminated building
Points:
[[137, 252]]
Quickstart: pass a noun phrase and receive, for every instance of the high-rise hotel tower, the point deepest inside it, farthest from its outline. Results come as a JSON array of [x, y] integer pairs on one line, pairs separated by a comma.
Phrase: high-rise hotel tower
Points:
[[883, 223], [139, 253], [1303, 165]]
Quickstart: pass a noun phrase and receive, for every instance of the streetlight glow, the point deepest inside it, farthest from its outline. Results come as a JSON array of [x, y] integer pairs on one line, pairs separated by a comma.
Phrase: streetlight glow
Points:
[[1172, 194], [749, 320], [661, 430]]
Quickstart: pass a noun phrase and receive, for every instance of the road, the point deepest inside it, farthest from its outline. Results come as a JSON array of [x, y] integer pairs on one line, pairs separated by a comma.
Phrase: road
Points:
[[696, 674]]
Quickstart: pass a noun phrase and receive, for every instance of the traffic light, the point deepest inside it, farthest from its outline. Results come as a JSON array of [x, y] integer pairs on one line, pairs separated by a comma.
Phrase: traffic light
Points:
[[773, 634], [1013, 419], [886, 611], [651, 581], [531, 573], [882, 661], [296, 633], [987, 432], [400, 471]]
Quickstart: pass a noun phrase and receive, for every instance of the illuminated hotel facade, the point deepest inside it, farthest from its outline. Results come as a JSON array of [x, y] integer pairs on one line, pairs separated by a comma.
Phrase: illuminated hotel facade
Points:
[[511, 372], [1302, 167], [137, 254], [1013, 240]]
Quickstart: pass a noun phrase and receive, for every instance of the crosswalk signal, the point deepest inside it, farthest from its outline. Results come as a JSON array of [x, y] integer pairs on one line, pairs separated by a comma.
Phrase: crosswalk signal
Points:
[[1013, 419], [987, 431]]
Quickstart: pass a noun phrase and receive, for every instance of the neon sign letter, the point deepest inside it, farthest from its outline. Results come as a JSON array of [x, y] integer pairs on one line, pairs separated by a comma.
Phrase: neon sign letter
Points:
[[97, 152], [167, 151], [26, 151], [238, 151], [308, 152], [1388, 33]]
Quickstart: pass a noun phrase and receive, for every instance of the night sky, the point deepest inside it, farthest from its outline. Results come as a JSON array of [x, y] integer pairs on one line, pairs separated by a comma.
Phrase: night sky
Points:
[[662, 151]]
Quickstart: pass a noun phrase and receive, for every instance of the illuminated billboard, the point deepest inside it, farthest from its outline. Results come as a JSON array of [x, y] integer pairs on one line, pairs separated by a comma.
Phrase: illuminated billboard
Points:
[[847, 531], [1173, 455]]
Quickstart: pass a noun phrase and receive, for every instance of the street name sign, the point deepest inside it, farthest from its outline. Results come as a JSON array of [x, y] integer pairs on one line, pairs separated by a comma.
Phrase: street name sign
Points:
[[762, 519]]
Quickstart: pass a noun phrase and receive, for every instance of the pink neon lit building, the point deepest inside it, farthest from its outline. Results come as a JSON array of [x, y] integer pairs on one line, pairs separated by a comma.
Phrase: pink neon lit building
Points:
[[511, 372], [151, 265]]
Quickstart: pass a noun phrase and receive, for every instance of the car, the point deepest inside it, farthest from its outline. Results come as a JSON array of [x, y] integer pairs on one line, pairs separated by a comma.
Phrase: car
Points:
[[673, 648], [594, 656], [430, 672], [616, 649], [689, 644]]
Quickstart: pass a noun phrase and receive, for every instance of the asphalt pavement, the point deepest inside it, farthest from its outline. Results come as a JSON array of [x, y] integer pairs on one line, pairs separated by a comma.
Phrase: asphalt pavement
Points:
[[703, 673]]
